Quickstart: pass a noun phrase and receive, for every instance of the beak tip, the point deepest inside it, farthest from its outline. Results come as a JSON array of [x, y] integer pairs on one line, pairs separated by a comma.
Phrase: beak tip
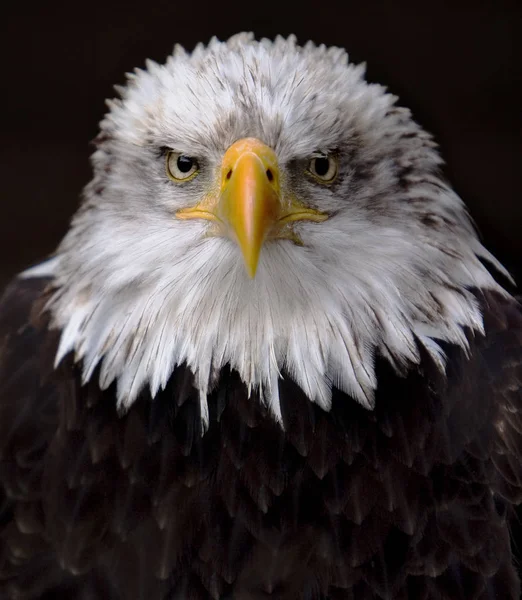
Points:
[[251, 270], [251, 255]]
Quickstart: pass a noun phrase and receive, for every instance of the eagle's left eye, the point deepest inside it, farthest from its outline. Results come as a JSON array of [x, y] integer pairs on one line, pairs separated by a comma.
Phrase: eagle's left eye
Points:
[[323, 167], [181, 167]]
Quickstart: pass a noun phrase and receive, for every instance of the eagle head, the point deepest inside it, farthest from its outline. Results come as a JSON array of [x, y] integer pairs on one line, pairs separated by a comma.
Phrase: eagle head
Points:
[[258, 205]]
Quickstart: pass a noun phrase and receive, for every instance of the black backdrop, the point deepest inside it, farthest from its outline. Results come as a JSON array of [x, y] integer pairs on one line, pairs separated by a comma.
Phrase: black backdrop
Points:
[[458, 65]]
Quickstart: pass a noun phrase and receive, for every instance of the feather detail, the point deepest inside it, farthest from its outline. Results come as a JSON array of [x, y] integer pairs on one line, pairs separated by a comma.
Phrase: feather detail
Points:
[[139, 292]]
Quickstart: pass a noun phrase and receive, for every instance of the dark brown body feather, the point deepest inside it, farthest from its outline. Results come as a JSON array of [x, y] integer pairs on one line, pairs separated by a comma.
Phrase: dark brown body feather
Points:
[[412, 500]]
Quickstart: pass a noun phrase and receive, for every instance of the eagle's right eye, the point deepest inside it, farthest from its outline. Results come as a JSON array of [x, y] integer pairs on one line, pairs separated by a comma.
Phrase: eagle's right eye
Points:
[[181, 167]]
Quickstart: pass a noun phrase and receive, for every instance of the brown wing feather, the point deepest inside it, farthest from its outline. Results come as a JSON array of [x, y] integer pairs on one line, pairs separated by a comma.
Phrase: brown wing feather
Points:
[[30, 406], [412, 500]]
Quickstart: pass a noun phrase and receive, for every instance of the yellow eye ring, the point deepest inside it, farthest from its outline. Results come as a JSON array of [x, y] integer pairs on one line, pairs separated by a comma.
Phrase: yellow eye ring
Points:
[[181, 167], [323, 167]]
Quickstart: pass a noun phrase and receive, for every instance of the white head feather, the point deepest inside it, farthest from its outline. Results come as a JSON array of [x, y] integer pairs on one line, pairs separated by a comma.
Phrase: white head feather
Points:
[[140, 291]]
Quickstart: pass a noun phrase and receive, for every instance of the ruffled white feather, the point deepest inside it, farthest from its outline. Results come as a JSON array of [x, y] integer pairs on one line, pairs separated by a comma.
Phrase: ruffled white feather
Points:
[[138, 291]]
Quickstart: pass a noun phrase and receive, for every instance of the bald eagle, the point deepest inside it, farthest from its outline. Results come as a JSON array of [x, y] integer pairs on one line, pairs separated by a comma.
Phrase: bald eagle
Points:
[[269, 359]]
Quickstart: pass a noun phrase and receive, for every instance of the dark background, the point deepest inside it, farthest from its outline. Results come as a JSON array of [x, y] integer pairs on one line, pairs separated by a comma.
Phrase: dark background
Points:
[[458, 65]]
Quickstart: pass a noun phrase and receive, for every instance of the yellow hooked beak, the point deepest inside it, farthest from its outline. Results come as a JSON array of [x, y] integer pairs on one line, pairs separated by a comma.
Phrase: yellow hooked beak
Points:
[[249, 208]]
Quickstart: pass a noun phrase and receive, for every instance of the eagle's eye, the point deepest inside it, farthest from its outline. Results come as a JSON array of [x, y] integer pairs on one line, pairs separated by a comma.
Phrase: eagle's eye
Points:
[[323, 168], [181, 167]]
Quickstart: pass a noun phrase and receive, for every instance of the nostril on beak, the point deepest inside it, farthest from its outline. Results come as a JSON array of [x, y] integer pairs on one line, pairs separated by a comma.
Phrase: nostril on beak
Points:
[[270, 175], [229, 174]]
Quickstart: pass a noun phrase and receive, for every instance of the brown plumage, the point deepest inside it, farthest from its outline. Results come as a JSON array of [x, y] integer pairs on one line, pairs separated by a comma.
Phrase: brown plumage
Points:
[[412, 500]]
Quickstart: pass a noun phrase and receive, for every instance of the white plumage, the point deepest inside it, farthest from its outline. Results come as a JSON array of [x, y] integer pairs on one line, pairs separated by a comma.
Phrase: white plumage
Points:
[[140, 291]]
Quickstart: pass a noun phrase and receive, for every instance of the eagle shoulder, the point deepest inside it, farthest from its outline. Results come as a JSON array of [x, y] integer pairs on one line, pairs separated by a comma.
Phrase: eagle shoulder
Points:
[[30, 416]]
